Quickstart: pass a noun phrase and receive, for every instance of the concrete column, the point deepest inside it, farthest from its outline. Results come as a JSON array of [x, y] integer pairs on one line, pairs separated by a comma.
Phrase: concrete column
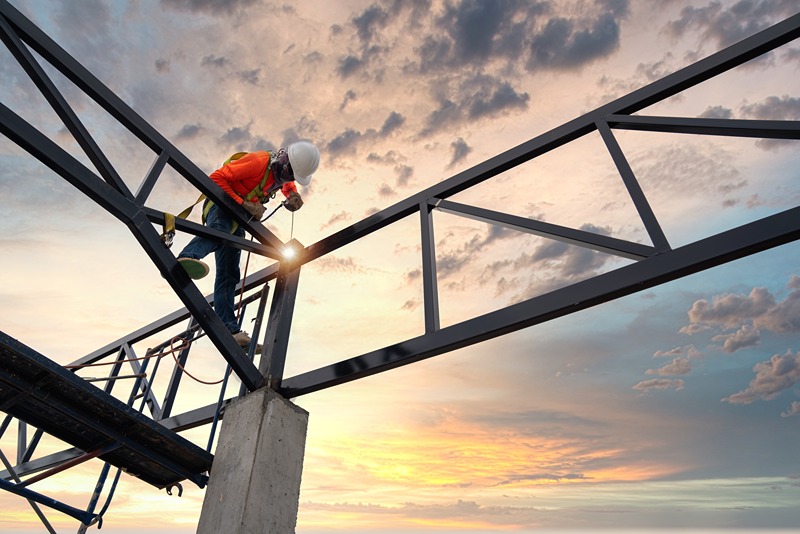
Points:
[[254, 487]]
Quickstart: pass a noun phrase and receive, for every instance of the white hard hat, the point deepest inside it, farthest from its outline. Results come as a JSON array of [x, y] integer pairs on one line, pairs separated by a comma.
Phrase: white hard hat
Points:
[[304, 159]]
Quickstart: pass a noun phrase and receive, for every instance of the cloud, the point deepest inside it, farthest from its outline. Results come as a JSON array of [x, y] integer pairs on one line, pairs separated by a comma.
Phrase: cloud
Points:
[[750, 313], [572, 261], [746, 336], [460, 151], [646, 386], [411, 304], [678, 366], [773, 108], [214, 61], [372, 20], [188, 132], [338, 217], [348, 65], [474, 98], [549, 477], [392, 123], [793, 410], [238, 137], [472, 33], [690, 351], [349, 96], [251, 77], [404, 174], [773, 376], [563, 44], [661, 174], [451, 262], [727, 25], [385, 191], [731, 310], [717, 112], [335, 264], [162, 65], [214, 7], [347, 142]]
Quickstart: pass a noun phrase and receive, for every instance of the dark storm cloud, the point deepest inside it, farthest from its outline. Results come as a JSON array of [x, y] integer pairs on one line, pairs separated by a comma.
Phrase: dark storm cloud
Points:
[[727, 25], [189, 131], [348, 97], [497, 100], [773, 108], [571, 261], [348, 141], [404, 174], [213, 61], [460, 151], [349, 65], [477, 97], [473, 32], [452, 261], [238, 138], [214, 7], [162, 65], [371, 21], [251, 77], [392, 123], [717, 112], [345, 142], [561, 44]]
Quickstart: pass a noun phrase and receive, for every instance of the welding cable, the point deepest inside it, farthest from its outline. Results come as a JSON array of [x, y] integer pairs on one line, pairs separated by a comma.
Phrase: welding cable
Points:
[[183, 369]]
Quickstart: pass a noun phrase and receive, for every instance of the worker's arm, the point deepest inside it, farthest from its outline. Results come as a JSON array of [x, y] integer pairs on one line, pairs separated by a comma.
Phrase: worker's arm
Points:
[[243, 174], [293, 200]]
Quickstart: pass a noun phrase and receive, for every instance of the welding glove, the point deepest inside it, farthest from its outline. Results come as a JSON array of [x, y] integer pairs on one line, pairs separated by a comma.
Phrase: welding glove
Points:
[[256, 209], [293, 202]]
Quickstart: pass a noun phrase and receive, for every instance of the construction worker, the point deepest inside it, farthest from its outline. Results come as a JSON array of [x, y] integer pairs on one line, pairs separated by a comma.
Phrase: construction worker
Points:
[[251, 180]]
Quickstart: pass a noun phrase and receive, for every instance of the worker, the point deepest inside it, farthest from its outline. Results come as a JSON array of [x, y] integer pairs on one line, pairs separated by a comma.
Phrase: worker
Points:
[[251, 181]]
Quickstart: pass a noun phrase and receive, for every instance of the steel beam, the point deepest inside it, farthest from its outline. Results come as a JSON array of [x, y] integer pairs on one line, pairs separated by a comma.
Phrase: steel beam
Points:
[[126, 211], [62, 108], [125, 115], [640, 202], [670, 265], [701, 126], [430, 288], [705, 69], [581, 238], [276, 337]]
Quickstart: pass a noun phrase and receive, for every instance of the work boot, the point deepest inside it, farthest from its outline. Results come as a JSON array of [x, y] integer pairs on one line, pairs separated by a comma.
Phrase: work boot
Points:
[[196, 269], [243, 339]]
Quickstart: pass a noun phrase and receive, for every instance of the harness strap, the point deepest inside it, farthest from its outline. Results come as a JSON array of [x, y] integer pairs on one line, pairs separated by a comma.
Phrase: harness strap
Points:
[[168, 233]]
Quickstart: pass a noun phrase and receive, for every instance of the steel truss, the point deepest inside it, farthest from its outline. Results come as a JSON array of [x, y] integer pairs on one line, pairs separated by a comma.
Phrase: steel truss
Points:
[[654, 264]]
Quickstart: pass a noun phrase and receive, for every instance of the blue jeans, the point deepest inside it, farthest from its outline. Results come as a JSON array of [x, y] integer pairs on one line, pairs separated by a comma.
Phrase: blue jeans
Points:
[[227, 259]]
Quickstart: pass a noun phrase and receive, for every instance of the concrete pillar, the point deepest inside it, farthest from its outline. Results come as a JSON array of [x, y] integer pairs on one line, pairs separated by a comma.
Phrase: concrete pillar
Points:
[[254, 487]]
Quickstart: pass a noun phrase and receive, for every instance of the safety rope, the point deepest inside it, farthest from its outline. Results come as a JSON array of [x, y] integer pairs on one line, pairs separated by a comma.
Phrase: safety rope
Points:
[[247, 260]]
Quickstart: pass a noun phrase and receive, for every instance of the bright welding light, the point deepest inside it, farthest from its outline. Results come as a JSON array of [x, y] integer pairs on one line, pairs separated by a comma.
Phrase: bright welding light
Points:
[[289, 252]]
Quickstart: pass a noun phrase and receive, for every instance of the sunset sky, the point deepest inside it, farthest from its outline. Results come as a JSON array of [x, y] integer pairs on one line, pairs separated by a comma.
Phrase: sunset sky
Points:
[[676, 407]]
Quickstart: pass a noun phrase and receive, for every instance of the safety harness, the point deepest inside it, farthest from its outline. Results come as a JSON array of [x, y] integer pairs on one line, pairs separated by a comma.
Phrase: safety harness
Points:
[[168, 233]]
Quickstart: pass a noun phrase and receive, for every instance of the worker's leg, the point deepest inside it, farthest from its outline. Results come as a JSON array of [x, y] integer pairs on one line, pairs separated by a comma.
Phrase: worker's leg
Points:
[[227, 277], [200, 247]]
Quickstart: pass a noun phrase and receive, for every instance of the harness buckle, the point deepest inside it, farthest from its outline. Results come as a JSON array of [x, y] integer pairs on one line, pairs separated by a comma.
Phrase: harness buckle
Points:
[[167, 238]]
